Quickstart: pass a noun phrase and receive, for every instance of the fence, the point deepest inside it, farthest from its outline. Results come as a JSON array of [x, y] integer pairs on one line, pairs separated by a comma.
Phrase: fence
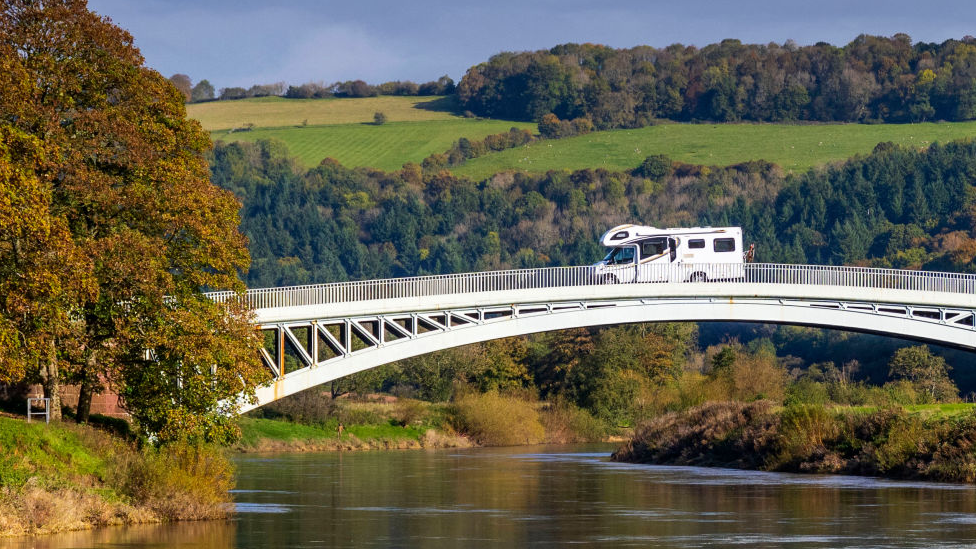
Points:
[[558, 277]]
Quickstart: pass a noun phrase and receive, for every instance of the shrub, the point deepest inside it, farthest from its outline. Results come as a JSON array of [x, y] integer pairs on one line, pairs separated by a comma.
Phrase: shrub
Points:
[[903, 393], [904, 438], [408, 411], [495, 420], [710, 434], [551, 127], [805, 431], [656, 167], [309, 407], [178, 481], [565, 423], [379, 118], [806, 391]]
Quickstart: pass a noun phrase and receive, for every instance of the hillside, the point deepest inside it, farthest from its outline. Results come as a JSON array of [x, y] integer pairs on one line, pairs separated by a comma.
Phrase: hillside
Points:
[[386, 147], [343, 129], [796, 148], [276, 112]]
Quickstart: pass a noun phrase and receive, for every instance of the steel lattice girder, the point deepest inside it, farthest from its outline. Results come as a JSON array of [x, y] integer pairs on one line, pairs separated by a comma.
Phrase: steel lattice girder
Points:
[[323, 350]]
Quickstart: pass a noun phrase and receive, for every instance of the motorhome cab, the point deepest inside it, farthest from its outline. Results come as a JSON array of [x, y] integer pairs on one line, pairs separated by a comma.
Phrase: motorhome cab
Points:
[[648, 254]]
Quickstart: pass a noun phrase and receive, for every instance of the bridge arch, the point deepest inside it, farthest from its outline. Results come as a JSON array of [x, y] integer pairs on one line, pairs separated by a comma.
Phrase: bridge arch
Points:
[[333, 330], [389, 337]]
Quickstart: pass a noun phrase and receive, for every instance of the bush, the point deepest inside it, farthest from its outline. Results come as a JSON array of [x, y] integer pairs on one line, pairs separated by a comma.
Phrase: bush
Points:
[[379, 118], [408, 411], [805, 430], [178, 481], [656, 167], [565, 423], [309, 407], [551, 127], [806, 391], [491, 419], [716, 433]]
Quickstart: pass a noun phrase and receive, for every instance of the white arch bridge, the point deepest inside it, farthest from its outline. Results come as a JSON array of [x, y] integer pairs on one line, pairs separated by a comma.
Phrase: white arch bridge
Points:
[[316, 334]]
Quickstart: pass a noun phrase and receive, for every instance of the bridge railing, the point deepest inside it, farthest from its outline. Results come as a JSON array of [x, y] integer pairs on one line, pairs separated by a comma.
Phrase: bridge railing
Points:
[[557, 277]]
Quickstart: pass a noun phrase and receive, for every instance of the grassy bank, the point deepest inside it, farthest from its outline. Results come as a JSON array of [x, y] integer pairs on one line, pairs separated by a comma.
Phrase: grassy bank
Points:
[[62, 476], [489, 419], [928, 443]]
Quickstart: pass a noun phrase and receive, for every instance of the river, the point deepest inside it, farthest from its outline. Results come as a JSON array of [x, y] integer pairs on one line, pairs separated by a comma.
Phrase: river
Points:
[[549, 496]]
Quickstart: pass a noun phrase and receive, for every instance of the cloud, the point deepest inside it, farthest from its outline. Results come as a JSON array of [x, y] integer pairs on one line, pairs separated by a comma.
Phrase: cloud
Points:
[[243, 42]]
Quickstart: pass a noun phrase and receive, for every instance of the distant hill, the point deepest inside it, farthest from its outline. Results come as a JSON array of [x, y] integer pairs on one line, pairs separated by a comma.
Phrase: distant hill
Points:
[[343, 129]]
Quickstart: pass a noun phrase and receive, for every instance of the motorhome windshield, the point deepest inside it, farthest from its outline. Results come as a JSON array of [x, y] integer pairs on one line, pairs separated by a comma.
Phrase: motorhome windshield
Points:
[[620, 256]]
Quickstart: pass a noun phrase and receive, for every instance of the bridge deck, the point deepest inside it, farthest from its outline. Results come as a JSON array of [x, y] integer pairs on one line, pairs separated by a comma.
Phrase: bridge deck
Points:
[[327, 331]]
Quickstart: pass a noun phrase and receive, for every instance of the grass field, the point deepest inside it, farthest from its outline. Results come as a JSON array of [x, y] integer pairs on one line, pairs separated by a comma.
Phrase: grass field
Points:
[[927, 410], [386, 147], [275, 112], [794, 147], [420, 126]]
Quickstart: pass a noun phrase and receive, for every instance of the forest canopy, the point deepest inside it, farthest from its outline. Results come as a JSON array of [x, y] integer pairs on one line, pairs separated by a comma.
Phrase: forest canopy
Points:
[[872, 79]]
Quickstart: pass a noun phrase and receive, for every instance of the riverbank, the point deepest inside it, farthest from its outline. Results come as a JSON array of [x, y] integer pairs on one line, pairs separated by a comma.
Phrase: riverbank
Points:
[[385, 423], [892, 442], [61, 476]]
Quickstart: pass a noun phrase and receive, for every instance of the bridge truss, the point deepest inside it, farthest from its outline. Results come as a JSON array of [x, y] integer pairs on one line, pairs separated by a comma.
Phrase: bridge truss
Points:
[[307, 353]]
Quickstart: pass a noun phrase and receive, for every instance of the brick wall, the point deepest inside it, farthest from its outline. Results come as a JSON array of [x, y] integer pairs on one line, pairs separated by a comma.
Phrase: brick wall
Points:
[[106, 403]]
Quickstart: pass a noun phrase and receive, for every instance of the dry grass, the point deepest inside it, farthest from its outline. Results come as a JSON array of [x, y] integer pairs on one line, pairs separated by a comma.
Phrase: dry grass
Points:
[[565, 423], [492, 419]]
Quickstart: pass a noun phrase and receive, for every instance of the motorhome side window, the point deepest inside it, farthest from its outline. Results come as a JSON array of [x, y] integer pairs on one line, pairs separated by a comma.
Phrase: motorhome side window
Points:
[[724, 245], [653, 247], [696, 243]]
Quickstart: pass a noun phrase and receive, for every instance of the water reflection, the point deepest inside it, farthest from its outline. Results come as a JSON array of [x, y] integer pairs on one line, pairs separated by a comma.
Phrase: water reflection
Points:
[[193, 535], [548, 496]]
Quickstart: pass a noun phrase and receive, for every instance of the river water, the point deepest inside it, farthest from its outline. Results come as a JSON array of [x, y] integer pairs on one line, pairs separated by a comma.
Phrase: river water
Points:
[[550, 496]]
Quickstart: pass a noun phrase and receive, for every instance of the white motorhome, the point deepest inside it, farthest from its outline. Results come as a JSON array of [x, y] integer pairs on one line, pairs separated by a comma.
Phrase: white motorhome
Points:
[[647, 254]]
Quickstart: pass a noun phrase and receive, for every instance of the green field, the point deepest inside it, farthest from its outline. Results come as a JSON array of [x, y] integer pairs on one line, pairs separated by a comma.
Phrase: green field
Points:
[[274, 112], [952, 409], [386, 147], [794, 147], [420, 126]]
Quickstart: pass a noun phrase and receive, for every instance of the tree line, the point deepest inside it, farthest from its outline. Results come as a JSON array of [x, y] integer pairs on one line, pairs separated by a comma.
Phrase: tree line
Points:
[[871, 79], [204, 91]]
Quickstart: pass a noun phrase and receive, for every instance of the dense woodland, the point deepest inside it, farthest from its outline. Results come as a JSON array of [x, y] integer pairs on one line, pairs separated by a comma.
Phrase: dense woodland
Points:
[[872, 79], [895, 207]]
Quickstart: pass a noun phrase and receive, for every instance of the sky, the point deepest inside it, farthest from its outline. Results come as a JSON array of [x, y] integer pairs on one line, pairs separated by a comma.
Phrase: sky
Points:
[[246, 42]]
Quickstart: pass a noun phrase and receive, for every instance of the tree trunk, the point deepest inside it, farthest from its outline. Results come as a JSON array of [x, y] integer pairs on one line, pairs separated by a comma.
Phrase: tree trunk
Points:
[[88, 388], [51, 382], [85, 392]]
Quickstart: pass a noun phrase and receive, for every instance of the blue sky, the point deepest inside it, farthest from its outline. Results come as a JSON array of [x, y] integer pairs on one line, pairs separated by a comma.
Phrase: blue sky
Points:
[[244, 42]]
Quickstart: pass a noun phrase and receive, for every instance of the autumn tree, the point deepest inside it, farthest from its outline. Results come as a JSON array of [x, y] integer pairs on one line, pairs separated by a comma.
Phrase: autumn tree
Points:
[[184, 84], [126, 173], [42, 274]]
